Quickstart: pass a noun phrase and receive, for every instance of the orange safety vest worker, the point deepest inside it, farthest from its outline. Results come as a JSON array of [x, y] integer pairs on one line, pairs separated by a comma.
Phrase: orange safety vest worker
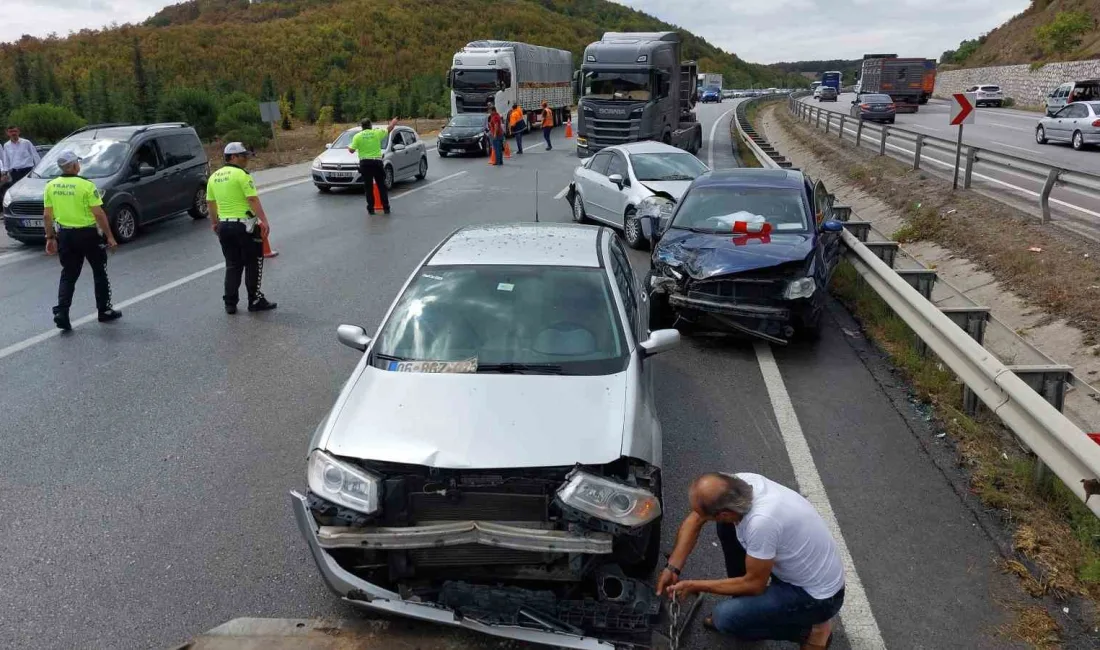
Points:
[[514, 117]]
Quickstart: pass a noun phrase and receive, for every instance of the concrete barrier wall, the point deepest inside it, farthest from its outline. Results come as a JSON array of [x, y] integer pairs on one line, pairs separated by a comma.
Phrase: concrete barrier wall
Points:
[[1019, 82]]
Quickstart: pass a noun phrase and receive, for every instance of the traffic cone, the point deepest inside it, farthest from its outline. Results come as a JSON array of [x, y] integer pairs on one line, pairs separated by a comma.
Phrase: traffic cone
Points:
[[268, 252], [507, 150], [377, 203], [493, 156], [568, 130]]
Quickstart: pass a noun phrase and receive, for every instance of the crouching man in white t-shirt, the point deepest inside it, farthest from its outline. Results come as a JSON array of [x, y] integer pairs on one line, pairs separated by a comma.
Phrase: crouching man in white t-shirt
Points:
[[785, 575]]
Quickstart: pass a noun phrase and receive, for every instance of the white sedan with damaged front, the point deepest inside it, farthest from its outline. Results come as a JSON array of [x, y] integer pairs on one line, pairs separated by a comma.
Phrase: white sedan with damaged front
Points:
[[494, 461]]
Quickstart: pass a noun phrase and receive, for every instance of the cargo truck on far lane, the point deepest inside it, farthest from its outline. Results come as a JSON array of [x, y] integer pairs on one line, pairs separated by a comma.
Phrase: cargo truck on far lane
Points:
[[901, 79]]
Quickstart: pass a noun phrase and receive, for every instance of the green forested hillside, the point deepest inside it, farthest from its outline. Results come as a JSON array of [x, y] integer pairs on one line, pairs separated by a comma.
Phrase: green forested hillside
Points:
[[377, 57]]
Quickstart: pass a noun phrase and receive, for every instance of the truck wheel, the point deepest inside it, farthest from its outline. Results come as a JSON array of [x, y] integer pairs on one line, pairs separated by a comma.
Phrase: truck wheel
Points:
[[667, 138]]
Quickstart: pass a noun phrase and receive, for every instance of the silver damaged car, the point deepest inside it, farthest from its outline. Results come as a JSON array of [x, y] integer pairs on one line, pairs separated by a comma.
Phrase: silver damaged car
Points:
[[404, 156], [494, 461]]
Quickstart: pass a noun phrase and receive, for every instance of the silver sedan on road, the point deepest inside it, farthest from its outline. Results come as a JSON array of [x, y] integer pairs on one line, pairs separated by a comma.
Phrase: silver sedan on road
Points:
[[615, 184], [499, 432], [1077, 123], [403, 153]]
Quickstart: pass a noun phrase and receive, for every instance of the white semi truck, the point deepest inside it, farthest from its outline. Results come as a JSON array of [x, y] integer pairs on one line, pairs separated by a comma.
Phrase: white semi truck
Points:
[[505, 73]]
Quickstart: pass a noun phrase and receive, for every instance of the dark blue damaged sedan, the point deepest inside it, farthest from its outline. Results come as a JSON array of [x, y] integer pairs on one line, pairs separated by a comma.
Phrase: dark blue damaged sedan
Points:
[[744, 251]]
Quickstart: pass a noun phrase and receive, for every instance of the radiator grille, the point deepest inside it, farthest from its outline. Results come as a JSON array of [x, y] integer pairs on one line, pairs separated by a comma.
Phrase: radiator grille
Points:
[[762, 291], [481, 506], [473, 555], [27, 208]]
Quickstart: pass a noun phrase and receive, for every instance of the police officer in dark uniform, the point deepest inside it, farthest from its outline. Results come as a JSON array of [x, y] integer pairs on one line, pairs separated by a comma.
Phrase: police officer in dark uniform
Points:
[[77, 230], [240, 222]]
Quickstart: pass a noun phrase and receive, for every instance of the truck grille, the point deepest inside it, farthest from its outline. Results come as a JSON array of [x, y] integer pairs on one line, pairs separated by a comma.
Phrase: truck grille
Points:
[[606, 133], [27, 208], [483, 506], [473, 555]]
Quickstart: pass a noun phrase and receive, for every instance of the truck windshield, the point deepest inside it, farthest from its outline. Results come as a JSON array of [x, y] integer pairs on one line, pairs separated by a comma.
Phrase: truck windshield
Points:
[[477, 79], [617, 85]]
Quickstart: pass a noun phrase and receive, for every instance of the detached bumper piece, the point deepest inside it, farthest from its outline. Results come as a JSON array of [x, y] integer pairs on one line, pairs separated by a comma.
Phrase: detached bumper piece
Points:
[[520, 538]]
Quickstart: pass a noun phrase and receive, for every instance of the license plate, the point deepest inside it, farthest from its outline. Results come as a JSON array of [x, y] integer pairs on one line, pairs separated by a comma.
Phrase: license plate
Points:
[[340, 176], [33, 223]]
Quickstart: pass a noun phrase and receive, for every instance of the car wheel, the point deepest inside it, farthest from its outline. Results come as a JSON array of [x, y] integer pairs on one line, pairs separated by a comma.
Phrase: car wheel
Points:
[[199, 209], [661, 316], [810, 330], [423, 168], [388, 177], [124, 224], [632, 230], [442, 154], [1040, 135], [890, 121], [579, 214], [324, 189], [1078, 141]]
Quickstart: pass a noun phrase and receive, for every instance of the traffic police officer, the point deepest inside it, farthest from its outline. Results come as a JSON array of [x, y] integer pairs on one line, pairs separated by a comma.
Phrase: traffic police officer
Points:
[[77, 230], [368, 145], [241, 224]]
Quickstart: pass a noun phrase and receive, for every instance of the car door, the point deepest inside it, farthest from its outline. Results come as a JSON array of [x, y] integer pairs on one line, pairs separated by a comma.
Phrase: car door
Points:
[[616, 196], [593, 181], [1078, 118], [147, 192], [417, 150], [179, 182], [827, 243], [1062, 122], [399, 154]]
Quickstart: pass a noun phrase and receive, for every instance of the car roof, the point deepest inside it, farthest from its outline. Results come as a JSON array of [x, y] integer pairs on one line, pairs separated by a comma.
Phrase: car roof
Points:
[[521, 244], [752, 177], [128, 131], [646, 146]]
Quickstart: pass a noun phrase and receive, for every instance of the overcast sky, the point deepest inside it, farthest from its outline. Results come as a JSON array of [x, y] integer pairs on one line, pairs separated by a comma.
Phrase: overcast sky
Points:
[[760, 31]]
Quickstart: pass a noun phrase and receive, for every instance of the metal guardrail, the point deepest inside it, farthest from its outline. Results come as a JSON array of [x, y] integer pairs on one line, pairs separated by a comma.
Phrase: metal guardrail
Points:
[[1028, 399], [1083, 189]]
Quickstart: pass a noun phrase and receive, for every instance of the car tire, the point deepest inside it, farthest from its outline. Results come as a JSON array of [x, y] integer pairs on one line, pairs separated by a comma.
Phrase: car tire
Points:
[[387, 177], [199, 209], [810, 330], [324, 189], [1040, 135], [579, 215], [891, 120], [423, 171], [632, 230], [661, 316], [999, 104], [124, 223], [1078, 141], [442, 154]]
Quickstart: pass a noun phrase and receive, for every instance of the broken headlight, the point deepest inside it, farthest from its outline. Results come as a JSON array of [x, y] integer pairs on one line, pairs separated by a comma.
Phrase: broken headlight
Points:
[[800, 288], [343, 484], [609, 500], [657, 207]]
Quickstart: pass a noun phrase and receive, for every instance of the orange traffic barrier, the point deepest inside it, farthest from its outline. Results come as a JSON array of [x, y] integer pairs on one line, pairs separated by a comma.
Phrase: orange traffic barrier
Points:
[[377, 203], [507, 150], [492, 156], [268, 252], [569, 130]]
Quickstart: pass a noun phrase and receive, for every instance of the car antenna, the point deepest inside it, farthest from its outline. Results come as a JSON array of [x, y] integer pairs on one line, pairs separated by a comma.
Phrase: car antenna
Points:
[[536, 196]]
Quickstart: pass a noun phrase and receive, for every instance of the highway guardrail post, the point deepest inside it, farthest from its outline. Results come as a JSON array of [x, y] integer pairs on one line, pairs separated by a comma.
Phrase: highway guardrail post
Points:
[[917, 149], [1044, 197], [817, 122], [882, 140], [859, 132], [828, 122], [971, 319], [840, 131], [971, 157], [1050, 382]]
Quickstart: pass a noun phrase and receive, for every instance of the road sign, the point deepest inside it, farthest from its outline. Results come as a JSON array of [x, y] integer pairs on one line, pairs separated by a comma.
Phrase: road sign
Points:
[[962, 108], [269, 112]]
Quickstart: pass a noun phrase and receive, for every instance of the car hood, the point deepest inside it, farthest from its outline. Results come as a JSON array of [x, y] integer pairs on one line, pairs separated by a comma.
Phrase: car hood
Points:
[[675, 189], [481, 421], [339, 156], [31, 188], [462, 131], [705, 256]]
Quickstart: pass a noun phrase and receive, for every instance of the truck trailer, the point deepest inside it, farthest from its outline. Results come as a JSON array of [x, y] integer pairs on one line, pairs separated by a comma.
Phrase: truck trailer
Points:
[[633, 86], [901, 79], [503, 73], [929, 81], [832, 79]]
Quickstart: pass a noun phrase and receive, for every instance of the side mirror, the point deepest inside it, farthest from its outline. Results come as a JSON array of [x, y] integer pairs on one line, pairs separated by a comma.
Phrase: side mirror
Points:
[[329, 145], [145, 170], [617, 179], [832, 226], [353, 336], [660, 341], [398, 147]]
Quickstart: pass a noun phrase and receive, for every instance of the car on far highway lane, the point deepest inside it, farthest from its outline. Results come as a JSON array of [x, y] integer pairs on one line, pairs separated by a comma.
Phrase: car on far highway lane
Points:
[[987, 95], [871, 107], [745, 251], [494, 460], [404, 156], [1077, 123], [464, 133], [1072, 91], [826, 94], [711, 95], [612, 186]]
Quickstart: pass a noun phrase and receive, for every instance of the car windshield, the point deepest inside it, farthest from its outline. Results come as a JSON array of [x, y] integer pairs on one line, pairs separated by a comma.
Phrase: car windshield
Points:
[[524, 319], [482, 79], [876, 99], [469, 119], [346, 137], [617, 85], [666, 166], [98, 158], [715, 209]]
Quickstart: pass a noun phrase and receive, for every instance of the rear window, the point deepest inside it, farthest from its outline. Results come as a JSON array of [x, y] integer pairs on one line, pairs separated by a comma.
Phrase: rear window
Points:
[[876, 99], [991, 89]]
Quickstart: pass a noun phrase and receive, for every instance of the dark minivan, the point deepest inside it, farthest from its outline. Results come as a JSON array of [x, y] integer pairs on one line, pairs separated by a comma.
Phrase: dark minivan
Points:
[[145, 173]]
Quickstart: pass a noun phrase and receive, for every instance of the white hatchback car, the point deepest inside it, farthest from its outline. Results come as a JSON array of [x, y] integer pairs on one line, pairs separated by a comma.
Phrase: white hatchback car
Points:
[[615, 185], [403, 153], [499, 432]]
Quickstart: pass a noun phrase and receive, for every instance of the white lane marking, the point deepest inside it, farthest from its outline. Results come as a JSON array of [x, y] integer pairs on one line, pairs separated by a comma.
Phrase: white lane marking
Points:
[[859, 621], [562, 193], [713, 129], [1009, 126], [1012, 146], [83, 320], [264, 189], [11, 258]]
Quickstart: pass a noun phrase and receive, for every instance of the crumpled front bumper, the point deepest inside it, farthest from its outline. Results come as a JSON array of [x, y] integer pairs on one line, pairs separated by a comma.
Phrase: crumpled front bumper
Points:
[[361, 593]]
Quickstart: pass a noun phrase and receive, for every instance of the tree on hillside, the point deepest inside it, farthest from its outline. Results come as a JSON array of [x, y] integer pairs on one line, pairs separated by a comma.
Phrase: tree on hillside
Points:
[[22, 76], [1063, 34], [267, 90], [142, 91]]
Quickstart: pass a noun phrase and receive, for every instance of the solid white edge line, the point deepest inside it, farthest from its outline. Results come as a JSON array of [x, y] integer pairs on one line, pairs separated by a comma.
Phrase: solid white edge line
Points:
[[860, 626], [713, 130], [83, 320]]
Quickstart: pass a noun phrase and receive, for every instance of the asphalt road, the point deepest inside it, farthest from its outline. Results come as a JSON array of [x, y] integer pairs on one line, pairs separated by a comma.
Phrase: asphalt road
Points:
[[146, 464], [1000, 130]]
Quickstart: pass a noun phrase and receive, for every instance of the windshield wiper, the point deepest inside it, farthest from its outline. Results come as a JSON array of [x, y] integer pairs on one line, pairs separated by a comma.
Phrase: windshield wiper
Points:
[[390, 357], [704, 231], [674, 177], [521, 368]]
